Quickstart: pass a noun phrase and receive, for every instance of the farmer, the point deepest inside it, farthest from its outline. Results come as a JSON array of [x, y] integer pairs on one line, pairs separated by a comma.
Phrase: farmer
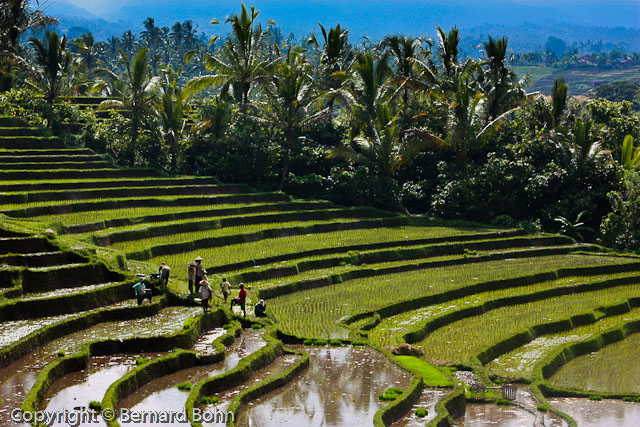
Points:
[[242, 299], [260, 309], [199, 274], [164, 272], [191, 275], [141, 291], [205, 292], [225, 289]]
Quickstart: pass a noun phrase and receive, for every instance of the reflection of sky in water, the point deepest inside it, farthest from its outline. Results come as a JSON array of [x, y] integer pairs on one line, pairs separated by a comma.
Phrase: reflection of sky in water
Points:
[[14, 330], [163, 395], [18, 378], [340, 387], [609, 413], [488, 414]]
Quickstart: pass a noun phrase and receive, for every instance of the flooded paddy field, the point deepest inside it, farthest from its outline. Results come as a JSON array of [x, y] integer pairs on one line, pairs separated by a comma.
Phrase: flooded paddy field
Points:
[[163, 393], [17, 379], [609, 413], [340, 388]]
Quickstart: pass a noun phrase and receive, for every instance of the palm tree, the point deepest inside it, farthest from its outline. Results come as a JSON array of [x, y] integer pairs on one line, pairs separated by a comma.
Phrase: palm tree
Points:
[[630, 160], [171, 113], [448, 50], [290, 97], [404, 51], [128, 42], [370, 90], [500, 84], [581, 148], [335, 60], [386, 151], [52, 60], [151, 34], [177, 34], [87, 51], [139, 92], [17, 17], [559, 97], [241, 63]]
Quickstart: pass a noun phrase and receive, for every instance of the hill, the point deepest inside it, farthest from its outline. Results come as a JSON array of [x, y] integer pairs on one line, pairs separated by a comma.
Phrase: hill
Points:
[[464, 295]]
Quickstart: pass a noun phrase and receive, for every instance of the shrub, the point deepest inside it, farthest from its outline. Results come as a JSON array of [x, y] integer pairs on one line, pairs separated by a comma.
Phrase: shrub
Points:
[[335, 342], [421, 412], [256, 326], [358, 343], [61, 353], [206, 400], [391, 393], [595, 397], [227, 326], [542, 408], [504, 402], [307, 342], [628, 399], [320, 342], [142, 360], [184, 386], [95, 405]]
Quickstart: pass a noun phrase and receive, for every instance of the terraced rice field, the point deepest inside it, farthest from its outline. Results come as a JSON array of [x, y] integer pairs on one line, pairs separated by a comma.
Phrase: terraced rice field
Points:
[[459, 293]]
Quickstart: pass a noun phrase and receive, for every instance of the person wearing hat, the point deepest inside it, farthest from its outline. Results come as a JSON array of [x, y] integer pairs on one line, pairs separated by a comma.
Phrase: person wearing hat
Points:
[[141, 291], [164, 272], [204, 292], [199, 272], [191, 275], [225, 289], [260, 308]]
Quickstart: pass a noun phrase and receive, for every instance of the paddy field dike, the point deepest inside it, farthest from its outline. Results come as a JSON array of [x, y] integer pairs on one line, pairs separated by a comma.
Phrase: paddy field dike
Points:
[[373, 317]]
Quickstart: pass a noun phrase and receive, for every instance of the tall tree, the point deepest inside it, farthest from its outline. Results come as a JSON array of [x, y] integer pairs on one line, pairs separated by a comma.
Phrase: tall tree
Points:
[[241, 63], [290, 97], [405, 50], [88, 52], [370, 90], [17, 17], [139, 93], [52, 61], [500, 84], [152, 35], [171, 113], [335, 60]]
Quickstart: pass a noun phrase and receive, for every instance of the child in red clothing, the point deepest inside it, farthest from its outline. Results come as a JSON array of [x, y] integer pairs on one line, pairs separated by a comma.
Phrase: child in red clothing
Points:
[[242, 299]]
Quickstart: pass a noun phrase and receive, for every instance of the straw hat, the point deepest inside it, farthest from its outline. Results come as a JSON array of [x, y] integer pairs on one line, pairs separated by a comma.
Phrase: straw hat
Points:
[[198, 258]]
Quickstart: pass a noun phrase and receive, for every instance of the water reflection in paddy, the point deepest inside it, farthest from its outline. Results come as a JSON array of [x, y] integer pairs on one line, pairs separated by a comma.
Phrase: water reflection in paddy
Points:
[[340, 388], [609, 413], [163, 395]]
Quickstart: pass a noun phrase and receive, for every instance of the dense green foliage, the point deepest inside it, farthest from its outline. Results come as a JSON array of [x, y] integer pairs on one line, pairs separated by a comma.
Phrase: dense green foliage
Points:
[[406, 123]]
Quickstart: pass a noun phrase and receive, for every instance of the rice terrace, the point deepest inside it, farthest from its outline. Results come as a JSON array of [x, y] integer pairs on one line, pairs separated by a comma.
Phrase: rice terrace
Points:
[[246, 228]]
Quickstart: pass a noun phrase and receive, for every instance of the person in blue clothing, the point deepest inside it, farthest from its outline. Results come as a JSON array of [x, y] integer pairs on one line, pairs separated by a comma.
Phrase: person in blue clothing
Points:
[[141, 291]]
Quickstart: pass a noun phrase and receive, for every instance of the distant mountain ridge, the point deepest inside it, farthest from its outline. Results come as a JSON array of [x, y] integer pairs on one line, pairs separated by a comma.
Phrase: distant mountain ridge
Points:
[[527, 23]]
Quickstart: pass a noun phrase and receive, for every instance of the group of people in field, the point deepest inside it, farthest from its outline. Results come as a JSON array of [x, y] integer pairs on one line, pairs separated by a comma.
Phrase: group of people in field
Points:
[[199, 285]]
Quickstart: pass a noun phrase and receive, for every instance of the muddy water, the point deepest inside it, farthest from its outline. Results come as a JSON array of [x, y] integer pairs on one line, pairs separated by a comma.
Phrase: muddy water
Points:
[[163, 395], [205, 341], [609, 413], [489, 414], [526, 397], [77, 389], [15, 330], [340, 388], [428, 400], [65, 291], [17, 379], [277, 367]]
